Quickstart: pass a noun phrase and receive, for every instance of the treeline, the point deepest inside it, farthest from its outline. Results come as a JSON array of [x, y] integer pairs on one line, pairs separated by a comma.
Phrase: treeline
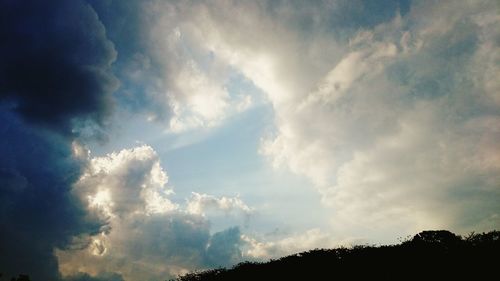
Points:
[[429, 255], [21, 277]]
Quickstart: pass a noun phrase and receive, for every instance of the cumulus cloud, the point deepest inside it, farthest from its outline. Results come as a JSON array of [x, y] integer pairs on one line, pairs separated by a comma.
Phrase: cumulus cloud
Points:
[[389, 117], [200, 203], [129, 182], [147, 235]]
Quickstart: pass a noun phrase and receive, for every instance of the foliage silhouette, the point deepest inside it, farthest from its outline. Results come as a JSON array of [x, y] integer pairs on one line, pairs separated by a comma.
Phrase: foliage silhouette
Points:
[[21, 277], [428, 255]]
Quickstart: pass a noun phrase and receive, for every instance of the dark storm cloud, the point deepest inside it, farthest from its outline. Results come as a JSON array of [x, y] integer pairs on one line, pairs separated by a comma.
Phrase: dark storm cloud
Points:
[[128, 25], [37, 211], [55, 63], [55, 79]]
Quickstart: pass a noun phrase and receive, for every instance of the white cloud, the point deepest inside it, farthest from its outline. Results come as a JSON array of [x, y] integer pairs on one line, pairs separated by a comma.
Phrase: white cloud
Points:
[[147, 236], [194, 81], [392, 125], [198, 204], [263, 249], [203, 102], [129, 182], [392, 137], [141, 247]]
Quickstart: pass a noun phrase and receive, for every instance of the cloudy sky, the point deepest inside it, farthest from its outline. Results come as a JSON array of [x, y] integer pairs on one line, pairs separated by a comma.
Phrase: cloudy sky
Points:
[[141, 140]]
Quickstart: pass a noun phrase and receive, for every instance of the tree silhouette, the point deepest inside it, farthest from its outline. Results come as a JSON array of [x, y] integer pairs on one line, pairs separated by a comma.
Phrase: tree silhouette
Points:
[[428, 255], [21, 277], [437, 237]]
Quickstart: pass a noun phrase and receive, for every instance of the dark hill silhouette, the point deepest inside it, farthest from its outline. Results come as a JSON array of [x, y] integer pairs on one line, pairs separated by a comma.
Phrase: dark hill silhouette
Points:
[[429, 255]]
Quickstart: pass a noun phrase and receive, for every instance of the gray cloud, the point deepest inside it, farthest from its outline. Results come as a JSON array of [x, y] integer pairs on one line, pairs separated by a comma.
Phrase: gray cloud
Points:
[[100, 277], [224, 248], [166, 73], [38, 211], [142, 76], [55, 72], [392, 116], [148, 237], [55, 84], [395, 135], [380, 115]]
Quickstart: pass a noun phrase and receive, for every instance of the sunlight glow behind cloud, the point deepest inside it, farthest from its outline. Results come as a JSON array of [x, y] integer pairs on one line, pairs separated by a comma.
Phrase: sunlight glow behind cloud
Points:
[[145, 232], [386, 114]]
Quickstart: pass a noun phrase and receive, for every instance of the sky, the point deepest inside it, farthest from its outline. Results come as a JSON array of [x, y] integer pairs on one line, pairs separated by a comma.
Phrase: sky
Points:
[[141, 140]]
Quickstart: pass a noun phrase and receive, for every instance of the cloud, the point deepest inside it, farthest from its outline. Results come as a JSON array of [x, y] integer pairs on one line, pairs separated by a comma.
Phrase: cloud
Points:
[[200, 203], [56, 91], [223, 248], [142, 84], [100, 277], [147, 236], [196, 81], [55, 85], [263, 249], [389, 116], [129, 182], [167, 73], [390, 111], [38, 211], [393, 136], [55, 72]]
